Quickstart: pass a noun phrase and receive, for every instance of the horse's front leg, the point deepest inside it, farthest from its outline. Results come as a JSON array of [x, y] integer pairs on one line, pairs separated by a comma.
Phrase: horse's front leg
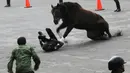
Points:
[[62, 26], [69, 28]]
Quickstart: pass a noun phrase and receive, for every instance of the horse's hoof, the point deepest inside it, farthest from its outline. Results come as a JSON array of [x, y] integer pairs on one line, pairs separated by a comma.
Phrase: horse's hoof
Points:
[[66, 41], [119, 33], [60, 35]]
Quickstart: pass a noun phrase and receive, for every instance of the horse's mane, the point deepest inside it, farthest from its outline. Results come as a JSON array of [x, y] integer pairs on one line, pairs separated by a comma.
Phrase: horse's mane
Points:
[[72, 6]]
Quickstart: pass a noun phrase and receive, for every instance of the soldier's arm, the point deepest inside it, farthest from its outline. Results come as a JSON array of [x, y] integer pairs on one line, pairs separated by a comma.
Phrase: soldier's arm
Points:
[[40, 41], [10, 63], [36, 59]]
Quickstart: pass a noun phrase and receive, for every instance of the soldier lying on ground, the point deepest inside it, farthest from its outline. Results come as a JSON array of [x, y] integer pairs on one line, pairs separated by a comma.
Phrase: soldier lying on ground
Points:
[[49, 44]]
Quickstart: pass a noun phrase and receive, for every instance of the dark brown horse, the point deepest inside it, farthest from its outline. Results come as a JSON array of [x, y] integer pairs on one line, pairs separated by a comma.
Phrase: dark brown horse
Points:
[[74, 16]]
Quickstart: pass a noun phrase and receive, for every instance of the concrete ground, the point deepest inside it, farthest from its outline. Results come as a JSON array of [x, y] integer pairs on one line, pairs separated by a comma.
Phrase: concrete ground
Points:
[[80, 55]]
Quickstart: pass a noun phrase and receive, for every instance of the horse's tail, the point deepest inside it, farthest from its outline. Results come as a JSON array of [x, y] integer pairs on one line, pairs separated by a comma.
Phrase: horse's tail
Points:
[[118, 33]]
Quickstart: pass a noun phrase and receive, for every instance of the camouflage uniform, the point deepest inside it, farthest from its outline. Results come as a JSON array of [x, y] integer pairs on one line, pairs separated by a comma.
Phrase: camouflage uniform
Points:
[[23, 54]]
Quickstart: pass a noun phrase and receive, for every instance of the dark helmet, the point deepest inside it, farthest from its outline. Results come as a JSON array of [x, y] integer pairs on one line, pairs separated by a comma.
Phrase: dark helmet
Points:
[[40, 33], [21, 41], [115, 63]]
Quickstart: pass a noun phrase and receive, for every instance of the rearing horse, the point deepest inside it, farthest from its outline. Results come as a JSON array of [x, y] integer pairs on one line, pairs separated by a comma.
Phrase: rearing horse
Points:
[[74, 16]]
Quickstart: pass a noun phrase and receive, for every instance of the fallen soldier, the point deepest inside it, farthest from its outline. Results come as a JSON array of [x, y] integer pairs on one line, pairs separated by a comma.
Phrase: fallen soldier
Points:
[[49, 44]]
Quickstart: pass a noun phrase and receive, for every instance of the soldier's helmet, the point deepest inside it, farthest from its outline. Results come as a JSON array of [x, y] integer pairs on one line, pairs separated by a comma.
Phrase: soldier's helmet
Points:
[[40, 33], [115, 62], [21, 41]]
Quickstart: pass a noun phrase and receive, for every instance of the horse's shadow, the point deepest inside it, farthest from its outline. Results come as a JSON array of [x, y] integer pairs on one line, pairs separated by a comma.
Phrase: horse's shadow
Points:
[[82, 45]]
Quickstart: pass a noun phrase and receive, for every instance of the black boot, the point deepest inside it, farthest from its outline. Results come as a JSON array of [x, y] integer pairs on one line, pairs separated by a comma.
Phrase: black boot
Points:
[[7, 6], [117, 10], [8, 3], [118, 6]]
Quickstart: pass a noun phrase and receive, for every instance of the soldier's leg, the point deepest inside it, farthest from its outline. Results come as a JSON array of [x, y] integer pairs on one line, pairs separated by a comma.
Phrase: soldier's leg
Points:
[[51, 34], [8, 3], [118, 6], [54, 39]]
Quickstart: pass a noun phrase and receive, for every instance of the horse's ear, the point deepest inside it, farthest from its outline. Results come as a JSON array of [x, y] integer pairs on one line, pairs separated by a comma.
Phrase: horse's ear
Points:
[[52, 6], [58, 4], [60, 1]]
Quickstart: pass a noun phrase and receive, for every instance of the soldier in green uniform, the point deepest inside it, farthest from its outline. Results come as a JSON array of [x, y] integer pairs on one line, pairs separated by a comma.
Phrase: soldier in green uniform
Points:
[[23, 55]]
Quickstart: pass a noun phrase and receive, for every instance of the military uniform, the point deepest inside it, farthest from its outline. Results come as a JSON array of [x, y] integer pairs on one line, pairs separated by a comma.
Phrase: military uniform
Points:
[[50, 44], [23, 54]]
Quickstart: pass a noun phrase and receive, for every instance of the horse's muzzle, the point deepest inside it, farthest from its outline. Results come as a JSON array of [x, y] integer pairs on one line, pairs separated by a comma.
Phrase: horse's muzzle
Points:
[[56, 22]]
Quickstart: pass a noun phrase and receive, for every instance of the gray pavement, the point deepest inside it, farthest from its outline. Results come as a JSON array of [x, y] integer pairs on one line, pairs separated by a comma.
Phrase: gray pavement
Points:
[[80, 55]]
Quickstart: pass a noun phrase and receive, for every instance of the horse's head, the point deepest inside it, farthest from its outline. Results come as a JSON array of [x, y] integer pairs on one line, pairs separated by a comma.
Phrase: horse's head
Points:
[[58, 12]]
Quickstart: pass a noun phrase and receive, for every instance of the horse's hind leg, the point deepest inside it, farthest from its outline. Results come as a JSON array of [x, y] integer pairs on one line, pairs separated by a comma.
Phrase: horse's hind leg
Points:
[[104, 36], [94, 35], [97, 35], [108, 32], [105, 27]]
